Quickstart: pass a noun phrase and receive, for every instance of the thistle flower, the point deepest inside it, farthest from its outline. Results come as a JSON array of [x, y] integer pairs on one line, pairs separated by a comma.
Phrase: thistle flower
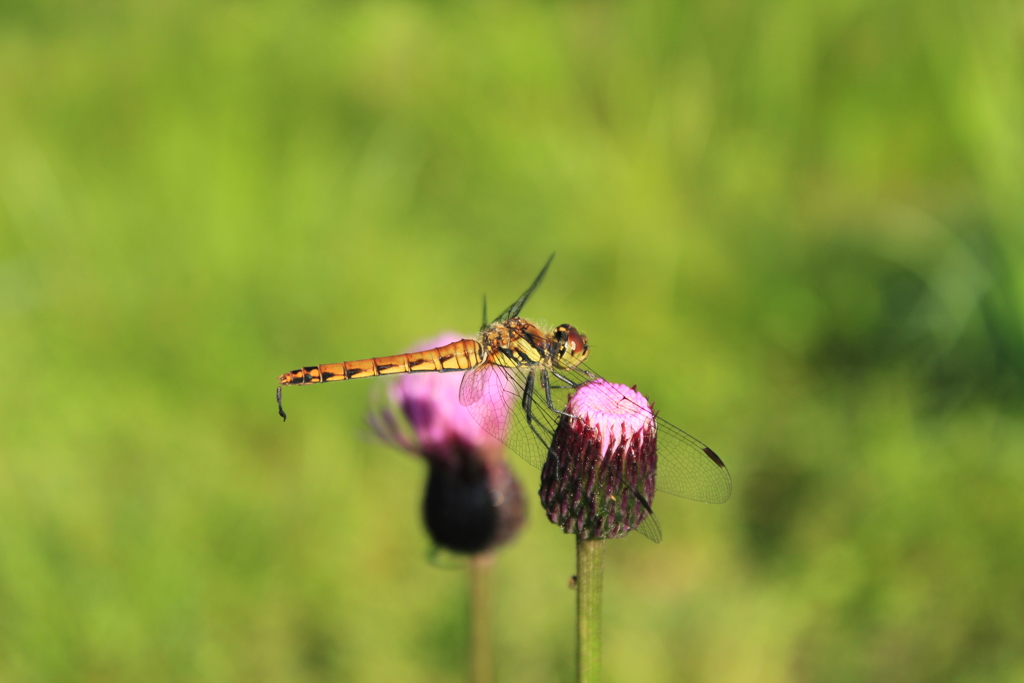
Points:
[[599, 478], [473, 501]]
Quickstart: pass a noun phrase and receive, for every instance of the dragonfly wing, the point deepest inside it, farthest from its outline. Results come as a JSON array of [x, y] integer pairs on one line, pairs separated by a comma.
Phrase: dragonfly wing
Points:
[[651, 528], [474, 385], [522, 407], [517, 306], [511, 404], [489, 393], [688, 468]]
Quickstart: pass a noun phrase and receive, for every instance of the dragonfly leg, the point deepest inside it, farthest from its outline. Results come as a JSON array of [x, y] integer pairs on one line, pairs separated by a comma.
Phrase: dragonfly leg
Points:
[[569, 384], [547, 391], [528, 402], [528, 406], [527, 399], [546, 381]]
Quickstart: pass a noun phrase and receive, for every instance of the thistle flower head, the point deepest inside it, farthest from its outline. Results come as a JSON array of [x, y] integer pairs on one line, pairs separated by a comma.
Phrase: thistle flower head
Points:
[[473, 501], [599, 478]]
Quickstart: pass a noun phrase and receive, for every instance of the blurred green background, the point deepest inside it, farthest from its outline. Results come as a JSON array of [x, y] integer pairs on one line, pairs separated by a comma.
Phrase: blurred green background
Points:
[[796, 225]]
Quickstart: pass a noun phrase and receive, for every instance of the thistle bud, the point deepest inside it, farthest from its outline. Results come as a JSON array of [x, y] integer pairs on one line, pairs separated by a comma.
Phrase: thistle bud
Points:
[[599, 478], [473, 502]]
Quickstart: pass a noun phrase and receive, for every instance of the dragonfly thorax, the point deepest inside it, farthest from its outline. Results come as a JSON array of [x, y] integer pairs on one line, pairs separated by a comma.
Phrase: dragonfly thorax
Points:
[[520, 343]]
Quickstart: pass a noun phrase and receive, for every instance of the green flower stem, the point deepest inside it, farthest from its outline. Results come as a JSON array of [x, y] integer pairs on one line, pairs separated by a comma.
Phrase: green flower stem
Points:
[[481, 644], [589, 580]]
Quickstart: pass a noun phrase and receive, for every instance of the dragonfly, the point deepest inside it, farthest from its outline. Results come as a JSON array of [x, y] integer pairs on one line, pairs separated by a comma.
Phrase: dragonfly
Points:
[[518, 378]]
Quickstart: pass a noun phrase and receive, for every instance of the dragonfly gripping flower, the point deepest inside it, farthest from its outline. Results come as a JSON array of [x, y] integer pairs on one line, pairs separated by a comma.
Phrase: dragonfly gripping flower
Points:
[[516, 377], [599, 478]]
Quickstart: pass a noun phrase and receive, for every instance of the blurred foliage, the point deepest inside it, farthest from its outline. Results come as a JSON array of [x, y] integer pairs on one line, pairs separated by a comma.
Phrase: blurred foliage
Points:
[[796, 225]]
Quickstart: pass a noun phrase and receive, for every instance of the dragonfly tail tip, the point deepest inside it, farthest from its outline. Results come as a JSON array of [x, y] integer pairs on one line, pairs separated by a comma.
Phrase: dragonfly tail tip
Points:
[[280, 408]]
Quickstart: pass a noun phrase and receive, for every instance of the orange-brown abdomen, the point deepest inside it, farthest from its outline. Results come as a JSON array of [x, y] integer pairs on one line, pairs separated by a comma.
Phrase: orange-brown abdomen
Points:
[[461, 355]]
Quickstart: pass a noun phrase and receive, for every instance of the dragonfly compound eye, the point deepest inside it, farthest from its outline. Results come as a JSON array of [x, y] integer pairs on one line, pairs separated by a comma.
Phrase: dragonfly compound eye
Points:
[[572, 343]]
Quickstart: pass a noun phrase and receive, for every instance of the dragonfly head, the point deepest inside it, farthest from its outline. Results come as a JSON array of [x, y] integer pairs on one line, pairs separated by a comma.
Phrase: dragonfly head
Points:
[[572, 346]]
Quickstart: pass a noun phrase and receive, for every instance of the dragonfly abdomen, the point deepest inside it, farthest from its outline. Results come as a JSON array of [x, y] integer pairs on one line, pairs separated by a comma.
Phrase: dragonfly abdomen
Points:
[[461, 355]]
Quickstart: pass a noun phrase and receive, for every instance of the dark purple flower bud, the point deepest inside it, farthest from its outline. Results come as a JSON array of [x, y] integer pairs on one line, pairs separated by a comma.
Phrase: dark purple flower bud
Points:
[[599, 478], [473, 502]]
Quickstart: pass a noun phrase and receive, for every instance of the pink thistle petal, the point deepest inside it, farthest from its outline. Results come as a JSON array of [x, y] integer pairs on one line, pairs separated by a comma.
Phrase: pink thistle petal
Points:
[[430, 403], [473, 502], [614, 411]]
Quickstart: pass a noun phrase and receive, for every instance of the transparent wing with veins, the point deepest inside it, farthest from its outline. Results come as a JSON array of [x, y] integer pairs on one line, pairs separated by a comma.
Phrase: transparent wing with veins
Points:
[[517, 306], [504, 401], [522, 407]]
